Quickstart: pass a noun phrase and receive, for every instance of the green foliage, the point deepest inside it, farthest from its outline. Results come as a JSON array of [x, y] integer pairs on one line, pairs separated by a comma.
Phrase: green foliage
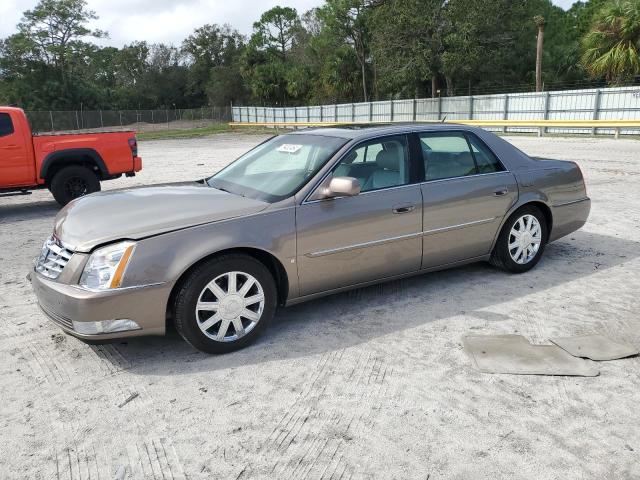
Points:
[[342, 51], [612, 46]]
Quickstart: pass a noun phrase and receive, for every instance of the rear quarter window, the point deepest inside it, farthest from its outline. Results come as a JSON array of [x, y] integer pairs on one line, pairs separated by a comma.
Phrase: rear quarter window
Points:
[[6, 125], [485, 159]]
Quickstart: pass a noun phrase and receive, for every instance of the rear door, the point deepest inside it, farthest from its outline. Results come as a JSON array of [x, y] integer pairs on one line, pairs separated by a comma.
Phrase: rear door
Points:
[[376, 234], [467, 192], [16, 164]]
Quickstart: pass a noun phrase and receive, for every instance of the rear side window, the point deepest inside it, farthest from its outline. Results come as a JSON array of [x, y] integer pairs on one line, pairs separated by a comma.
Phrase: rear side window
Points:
[[486, 160], [446, 155], [6, 125]]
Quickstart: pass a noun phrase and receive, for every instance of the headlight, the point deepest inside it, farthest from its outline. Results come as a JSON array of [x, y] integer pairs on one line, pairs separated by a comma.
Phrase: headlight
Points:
[[106, 266]]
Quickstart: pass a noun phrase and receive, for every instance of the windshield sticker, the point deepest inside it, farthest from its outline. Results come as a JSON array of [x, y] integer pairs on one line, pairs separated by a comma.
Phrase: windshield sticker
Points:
[[289, 148]]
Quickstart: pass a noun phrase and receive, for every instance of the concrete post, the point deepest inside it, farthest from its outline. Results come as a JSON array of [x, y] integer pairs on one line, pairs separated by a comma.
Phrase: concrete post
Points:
[[547, 99], [505, 115], [596, 109]]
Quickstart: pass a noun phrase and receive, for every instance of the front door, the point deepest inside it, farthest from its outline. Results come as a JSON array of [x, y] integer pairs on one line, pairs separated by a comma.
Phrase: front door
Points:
[[466, 194], [16, 166], [376, 234]]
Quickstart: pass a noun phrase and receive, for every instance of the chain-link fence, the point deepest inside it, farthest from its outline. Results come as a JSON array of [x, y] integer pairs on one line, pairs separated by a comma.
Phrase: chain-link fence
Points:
[[621, 103], [138, 120]]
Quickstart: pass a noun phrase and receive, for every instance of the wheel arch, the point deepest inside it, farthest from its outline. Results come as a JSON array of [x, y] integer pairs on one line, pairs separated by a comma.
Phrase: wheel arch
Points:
[[538, 202], [273, 264], [57, 160]]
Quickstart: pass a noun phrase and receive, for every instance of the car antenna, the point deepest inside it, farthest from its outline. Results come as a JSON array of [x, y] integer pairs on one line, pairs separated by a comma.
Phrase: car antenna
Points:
[[443, 119]]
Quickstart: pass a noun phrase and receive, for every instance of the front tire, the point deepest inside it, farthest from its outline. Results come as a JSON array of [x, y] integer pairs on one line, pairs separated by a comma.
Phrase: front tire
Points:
[[225, 303], [521, 241], [73, 182]]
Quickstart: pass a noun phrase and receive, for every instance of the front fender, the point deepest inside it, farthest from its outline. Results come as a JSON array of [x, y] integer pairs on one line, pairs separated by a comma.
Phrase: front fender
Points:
[[166, 257]]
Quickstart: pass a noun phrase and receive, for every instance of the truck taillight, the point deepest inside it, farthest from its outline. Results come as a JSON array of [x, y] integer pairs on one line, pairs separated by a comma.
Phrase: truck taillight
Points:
[[133, 145]]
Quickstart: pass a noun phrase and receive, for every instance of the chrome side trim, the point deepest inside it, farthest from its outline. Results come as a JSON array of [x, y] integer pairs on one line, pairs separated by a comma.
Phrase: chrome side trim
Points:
[[394, 239], [571, 202], [460, 225], [475, 175], [362, 245]]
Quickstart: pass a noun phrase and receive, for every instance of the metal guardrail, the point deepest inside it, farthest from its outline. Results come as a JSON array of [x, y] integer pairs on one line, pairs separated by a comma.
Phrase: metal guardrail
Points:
[[542, 125]]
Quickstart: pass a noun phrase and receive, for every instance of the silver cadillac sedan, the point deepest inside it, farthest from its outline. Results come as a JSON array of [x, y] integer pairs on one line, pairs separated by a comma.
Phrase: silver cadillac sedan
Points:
[[301, 215]]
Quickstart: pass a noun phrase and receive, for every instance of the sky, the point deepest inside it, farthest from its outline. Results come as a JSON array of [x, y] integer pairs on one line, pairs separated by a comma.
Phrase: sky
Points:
[[167, 21]]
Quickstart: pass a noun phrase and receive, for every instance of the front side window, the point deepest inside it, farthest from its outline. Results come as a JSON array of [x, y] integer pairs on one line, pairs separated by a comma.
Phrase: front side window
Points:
[[278, 168], [446, 155], [379, 163], [6, 125]]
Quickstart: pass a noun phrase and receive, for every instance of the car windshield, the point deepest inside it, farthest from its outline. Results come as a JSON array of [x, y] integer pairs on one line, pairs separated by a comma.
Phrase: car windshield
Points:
[[277, 168]]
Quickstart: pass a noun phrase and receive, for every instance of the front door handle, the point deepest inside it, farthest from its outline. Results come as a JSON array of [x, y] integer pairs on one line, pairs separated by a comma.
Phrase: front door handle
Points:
[[404, 208], [501, 192]]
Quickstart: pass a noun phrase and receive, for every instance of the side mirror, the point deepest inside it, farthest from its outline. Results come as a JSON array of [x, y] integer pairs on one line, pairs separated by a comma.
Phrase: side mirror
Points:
[[342, 187]]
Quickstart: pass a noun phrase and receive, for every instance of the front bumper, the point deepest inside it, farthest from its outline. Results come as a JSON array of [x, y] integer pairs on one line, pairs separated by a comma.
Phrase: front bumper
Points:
[[65, 304]]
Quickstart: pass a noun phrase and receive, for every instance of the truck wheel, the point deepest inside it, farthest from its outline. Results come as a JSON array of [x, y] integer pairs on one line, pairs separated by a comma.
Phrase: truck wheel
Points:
[[73, 182]]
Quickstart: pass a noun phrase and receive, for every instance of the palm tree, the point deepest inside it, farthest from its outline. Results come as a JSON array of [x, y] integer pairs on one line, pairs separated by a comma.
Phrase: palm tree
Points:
[[612, 48], [539, 20]]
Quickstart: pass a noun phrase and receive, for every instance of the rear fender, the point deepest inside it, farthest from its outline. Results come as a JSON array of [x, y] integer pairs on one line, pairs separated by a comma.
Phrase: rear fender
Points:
[[525, 198]]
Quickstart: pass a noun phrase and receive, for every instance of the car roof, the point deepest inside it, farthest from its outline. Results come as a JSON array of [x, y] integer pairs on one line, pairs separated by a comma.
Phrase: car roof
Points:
[[357, 131]]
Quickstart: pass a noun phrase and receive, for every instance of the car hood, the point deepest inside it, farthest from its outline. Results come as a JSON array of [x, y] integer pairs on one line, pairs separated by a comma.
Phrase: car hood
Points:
[[143, 212]]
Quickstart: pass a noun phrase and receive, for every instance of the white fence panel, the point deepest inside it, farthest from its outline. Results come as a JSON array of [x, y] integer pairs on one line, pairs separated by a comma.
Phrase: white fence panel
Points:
[[621, 103]]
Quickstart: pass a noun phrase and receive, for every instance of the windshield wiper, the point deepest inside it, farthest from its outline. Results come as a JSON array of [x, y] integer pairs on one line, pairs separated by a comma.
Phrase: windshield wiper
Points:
[[228, 191]]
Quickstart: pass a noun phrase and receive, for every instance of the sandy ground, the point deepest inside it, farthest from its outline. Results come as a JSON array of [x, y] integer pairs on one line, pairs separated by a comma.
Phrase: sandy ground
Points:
[[368, 384]]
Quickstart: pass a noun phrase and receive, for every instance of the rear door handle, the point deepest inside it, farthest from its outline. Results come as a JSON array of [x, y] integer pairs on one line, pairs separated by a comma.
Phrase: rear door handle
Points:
[[500, 193], [404, 208]]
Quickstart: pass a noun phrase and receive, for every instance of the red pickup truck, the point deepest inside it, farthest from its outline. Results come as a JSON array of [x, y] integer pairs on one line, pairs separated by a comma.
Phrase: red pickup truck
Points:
[[69, 165]]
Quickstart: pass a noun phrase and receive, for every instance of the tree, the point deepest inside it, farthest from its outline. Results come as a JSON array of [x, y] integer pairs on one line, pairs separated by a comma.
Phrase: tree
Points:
[[409, 64], [267, 59], [349, 20], [611, 49], [54, 30], [276, 30], [539, 21], [214, 53]]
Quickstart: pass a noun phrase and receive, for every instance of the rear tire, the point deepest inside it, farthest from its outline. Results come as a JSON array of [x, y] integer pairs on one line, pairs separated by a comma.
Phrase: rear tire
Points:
[[521, 241], [73, 182], [224, 304]]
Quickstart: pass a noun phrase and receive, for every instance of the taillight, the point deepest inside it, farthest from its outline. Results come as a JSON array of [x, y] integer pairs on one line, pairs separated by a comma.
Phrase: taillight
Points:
[[133, 145]]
